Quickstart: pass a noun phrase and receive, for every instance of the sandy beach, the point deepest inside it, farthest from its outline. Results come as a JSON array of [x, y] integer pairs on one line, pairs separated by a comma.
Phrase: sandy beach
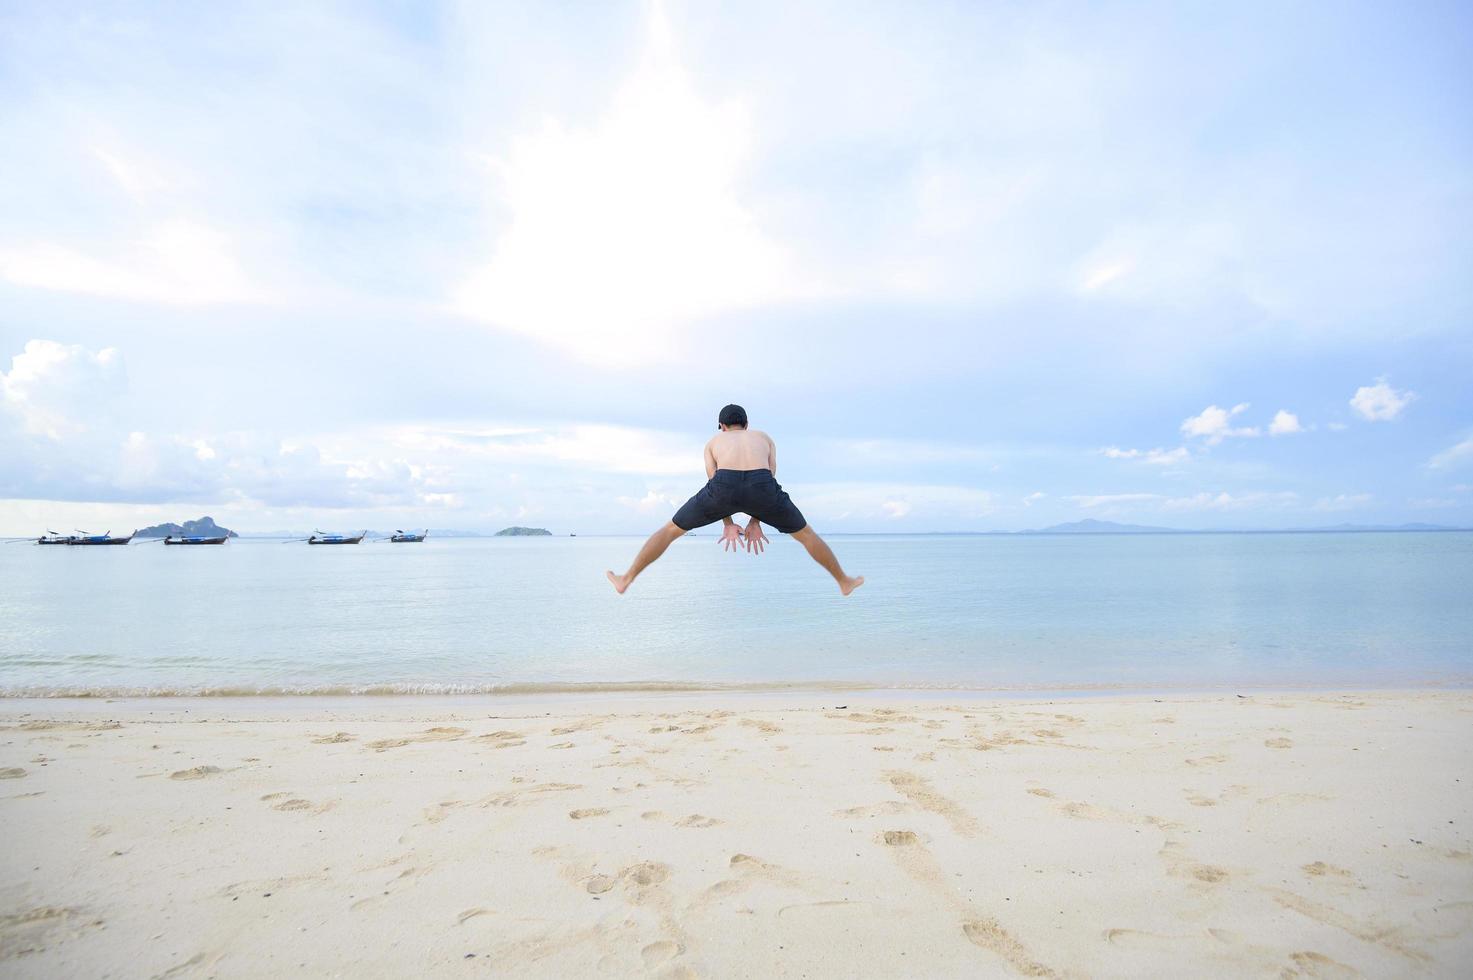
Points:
[[731, 835]]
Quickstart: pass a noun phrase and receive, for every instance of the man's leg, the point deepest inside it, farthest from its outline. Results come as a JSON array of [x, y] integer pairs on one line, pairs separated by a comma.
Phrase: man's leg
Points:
[[824, 555], [653, 548]]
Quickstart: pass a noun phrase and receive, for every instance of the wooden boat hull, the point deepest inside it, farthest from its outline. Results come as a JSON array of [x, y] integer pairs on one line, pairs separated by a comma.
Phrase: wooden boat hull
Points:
[[195, 541], [93, 544], [335, 540], [407, 538]]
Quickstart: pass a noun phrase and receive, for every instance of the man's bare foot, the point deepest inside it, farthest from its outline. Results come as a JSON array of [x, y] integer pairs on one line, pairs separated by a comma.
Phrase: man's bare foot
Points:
[[620, 584], [847, 586]]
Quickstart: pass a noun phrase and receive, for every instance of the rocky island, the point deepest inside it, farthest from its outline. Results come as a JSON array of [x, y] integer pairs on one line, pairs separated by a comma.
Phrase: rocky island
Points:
[[523, 532], [205, 527]]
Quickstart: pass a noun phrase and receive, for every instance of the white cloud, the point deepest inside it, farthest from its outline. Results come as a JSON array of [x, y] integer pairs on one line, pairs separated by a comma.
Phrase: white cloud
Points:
[[897, 452], [623, 232], [1112, 500], [1284, 423], [653, 502], [1453, 455], [1155, 457], [1215, 424], [1229, 501], [603, 448], [880, 501], [1103, 274], [139, 179], [56, 389], [1380, 402], [1200, 501], [1034, 498], [177, 263], [1343, 501]]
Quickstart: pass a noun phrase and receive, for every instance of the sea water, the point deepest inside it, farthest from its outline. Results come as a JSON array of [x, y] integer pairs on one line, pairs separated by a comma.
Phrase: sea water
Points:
[[992, 612]]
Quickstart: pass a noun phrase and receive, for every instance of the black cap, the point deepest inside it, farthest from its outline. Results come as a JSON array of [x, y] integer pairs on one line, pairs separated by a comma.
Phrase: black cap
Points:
[[733, 415]]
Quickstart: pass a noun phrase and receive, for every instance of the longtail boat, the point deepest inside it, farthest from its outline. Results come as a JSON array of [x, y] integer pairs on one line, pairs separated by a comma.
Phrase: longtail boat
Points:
[[320, 538], [173, 539], [407, 537], [106, 537], [51, 537]]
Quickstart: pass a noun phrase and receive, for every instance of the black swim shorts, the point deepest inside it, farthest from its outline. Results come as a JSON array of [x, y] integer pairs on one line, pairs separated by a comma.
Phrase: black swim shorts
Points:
[[753, 492]]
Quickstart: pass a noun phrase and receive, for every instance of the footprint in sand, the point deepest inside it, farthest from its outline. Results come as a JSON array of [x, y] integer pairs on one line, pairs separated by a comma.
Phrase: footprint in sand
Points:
[[293, 805], [1279, 743], [1321, 967], [527, 794], [887, 808], [584, 814], [33, 930], [660, 952], [725, 887], [990, 936], [15, 772], [333, 739], [901, 838], [198, 772], [1180, 865], [439, 734], [1320, 869], [1047, 794], [1371, 930], [920, 792], [598, 884], [503, 740], [696, 820], [646, 873]]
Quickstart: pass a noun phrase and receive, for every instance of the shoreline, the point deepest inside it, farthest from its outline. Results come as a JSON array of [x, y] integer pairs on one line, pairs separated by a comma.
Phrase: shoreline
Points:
[[615, 689], [688, 834]]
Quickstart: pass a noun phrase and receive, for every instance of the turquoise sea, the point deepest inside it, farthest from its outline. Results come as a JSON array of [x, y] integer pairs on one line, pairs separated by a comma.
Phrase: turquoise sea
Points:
[[1063, 612]]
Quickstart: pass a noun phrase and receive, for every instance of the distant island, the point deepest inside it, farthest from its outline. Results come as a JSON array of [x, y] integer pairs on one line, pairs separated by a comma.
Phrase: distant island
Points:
[[523, 532], [1091, 526], [205, 527]]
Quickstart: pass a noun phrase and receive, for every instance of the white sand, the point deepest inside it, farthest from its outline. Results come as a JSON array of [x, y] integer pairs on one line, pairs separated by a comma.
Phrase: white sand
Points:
[[724, 835]]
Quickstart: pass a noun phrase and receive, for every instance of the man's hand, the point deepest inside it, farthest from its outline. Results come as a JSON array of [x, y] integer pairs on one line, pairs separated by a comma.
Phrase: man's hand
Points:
[[731, 538], [756, 540]]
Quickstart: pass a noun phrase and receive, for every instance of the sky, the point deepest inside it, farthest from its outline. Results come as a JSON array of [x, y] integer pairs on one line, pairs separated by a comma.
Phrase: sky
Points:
[[974, 266]]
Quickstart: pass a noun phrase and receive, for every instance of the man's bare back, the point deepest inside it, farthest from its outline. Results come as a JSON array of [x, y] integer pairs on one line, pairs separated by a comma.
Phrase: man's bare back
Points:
[[741, 449]]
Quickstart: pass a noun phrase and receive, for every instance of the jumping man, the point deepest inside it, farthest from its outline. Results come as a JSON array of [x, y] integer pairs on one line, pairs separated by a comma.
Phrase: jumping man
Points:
[[741, 469]]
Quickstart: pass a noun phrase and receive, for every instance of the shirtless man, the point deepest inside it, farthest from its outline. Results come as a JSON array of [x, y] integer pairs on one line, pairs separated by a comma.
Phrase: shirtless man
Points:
[[741, 467]]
